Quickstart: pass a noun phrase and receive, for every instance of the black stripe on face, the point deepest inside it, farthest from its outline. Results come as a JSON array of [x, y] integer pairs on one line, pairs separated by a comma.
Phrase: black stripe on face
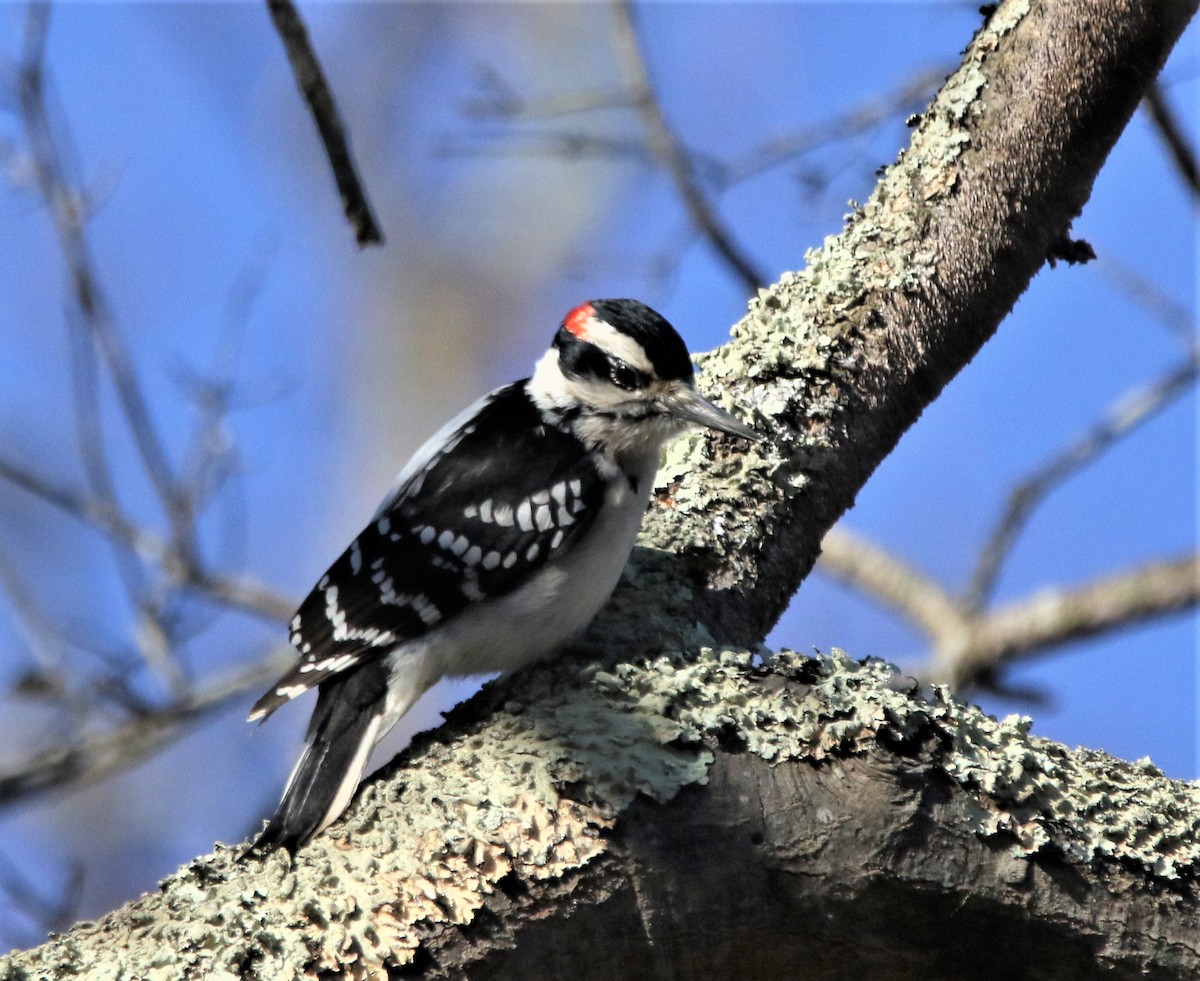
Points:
[[583, 360]]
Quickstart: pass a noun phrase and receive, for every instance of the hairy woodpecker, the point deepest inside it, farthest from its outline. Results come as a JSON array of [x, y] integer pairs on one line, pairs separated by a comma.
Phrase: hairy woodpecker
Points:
[[502, 538]]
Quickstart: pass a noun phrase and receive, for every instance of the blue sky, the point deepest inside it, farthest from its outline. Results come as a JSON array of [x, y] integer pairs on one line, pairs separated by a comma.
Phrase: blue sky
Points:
[[203, 169]]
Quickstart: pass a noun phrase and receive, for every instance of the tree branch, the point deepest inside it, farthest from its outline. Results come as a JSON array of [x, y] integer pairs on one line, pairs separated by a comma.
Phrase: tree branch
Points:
[[1055, 617], [665, 146], [832, 793], [968, 644], [1131, 411], [883, 576], [1173, 136], [98, 754], [310, 78]]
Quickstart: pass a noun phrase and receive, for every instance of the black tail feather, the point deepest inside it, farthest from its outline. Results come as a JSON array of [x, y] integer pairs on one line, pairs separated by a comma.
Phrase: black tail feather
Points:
[[343, 730]]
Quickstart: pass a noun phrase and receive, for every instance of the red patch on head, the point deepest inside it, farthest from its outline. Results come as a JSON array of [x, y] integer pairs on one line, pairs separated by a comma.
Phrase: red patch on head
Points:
[[577, 320]]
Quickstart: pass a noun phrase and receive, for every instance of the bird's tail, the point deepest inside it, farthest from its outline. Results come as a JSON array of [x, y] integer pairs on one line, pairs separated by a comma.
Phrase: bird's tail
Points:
[[345, 726]]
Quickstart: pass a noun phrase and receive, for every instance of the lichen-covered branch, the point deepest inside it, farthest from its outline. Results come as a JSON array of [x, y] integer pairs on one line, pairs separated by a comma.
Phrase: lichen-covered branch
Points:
[[834, 802], [672, 806]]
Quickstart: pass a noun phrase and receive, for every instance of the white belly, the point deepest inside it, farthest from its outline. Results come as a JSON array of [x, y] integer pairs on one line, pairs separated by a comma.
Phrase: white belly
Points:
[[557, 603]]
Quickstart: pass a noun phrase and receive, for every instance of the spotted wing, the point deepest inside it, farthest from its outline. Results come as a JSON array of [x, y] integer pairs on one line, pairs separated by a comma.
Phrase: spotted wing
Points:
[[479, 513]]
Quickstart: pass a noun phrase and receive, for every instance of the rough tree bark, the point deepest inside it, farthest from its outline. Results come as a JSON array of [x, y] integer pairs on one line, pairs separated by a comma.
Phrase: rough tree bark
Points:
[[682, 803]]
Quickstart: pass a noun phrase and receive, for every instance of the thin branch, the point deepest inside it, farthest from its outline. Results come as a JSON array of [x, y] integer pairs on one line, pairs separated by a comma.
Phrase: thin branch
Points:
[[911, 97], [1151, 297], [234, 591], [1182, 155], [67, 211], [1133, 410], [311, 80], [967, 646], [666, 147], [102, 753], [1057, 617], [884, 577], [501, 100]]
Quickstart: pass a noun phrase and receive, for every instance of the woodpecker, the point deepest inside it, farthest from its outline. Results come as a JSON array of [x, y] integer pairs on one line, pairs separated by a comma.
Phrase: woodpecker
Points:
[[501, 538]]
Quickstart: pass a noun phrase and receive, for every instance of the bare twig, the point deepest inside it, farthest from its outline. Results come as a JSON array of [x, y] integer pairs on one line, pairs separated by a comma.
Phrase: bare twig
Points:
[[501, 100], [666, 147], [967, 645], [67, 212], [884, 577], [1173, 136], [1134, 409], [311, 80], [99, 754], [911, 97], [1056, 617], [234, 591], [1152, 298]]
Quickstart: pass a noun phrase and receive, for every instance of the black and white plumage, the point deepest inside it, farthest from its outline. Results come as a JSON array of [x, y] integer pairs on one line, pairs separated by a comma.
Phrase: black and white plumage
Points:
[[502, 538]]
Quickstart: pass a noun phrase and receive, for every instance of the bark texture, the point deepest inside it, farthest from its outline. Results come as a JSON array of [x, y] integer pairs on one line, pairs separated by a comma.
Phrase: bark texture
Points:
[[672, 808]]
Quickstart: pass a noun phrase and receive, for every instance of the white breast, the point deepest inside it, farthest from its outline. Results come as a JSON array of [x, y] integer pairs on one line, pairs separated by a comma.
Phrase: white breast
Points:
[[558, 602]]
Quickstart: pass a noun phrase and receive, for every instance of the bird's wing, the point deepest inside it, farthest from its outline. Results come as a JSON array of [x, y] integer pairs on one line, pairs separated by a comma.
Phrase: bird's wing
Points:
[[474, 516]]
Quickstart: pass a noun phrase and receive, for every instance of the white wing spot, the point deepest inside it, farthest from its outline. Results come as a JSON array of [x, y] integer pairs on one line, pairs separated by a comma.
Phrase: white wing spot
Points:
[[557, 539], [525, 515], [504, 515], [324, 581], [559, 492], [296, 622], [485, 511], [563, 518], [384, 525], [474, 554], [541, 497], [491, 560], [577, 505], [291, 691], [509, 560], [542, 517], [355, 557], [470, 589], [460, 545], [576, 487], [429, 613], [470, 511], [427, 535], [531, 553], [446, 538]]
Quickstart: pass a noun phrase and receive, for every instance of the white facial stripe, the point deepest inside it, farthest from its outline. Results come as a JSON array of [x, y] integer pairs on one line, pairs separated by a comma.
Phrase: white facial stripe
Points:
[[609, 339]]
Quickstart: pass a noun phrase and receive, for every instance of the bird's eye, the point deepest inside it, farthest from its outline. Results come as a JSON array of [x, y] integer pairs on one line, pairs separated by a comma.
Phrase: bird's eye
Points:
[[623, 376]]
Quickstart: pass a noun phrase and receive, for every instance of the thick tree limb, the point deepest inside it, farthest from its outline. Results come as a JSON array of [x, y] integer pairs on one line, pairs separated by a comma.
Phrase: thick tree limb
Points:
[[522, 840]]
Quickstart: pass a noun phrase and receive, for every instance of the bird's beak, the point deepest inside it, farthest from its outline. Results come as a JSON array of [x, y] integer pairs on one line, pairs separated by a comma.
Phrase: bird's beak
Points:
[[690, 406]]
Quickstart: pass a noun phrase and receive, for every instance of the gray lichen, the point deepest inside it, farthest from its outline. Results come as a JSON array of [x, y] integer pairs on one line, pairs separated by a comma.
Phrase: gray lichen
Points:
[[426, 848]]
